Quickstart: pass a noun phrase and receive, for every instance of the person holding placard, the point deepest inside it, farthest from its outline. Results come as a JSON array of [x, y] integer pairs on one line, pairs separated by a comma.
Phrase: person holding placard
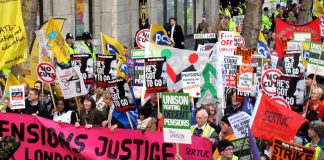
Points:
[[202, 128], [33, 105]]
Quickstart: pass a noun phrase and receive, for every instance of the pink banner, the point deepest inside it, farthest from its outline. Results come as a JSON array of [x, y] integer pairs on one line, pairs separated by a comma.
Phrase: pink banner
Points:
[[45, 139]]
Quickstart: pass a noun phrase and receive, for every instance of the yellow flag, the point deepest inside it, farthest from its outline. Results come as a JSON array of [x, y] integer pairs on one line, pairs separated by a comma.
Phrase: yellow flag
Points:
[[22, 79], [122, 67], [13, 38], [158, 35], [11, 81], [56, 41], [112, 46], [318, 9], [34, 56]]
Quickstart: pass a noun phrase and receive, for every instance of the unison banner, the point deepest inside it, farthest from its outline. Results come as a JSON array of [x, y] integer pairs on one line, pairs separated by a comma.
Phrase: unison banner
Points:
[[45, 139]]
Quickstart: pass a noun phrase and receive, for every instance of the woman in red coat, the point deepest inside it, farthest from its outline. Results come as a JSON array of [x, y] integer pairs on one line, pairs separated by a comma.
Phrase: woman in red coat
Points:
[[315, 104]]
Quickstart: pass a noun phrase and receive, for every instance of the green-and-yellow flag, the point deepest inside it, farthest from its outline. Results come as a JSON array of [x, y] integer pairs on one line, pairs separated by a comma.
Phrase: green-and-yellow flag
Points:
[[111, 46], [318, 9], [159, 36], [13, 38], [56, 41], [11, 81]]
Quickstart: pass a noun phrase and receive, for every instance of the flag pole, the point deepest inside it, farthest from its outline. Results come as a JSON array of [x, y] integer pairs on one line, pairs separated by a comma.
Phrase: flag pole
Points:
[[316, 69], [102, 45], [130, 122], [52, 96], [177, 149]]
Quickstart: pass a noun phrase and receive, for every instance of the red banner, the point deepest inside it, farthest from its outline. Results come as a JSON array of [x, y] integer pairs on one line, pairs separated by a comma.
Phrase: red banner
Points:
[[270, 120], [45, 139], [285, 32]]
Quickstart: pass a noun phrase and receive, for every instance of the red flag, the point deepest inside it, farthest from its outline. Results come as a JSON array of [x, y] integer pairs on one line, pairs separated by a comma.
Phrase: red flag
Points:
[[285, 32], [270, 120]]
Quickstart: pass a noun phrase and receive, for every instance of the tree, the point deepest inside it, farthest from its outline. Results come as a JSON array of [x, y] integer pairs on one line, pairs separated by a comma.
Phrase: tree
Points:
[[29, 10], [252, 22], [304, 11]]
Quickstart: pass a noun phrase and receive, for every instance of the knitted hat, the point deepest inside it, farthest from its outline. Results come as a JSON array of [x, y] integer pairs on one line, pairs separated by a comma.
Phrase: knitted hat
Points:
[[222, 144], [318, 127], [225, 119]]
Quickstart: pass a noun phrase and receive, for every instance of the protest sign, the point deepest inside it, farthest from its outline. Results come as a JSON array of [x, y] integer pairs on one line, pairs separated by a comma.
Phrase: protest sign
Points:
[[238, 23], [71, 82], [240, 123], [43, 138], [302, 36], [246, 54], [120, 94], [257, 63], [292, 65], [226, 39], [46, 72], [315, 62], [104, 69], [142, 38], [85, 64], [270, 120], [130, 67], [294, 45], [138, 72], [204, 36], [269, 79], [240, 95], [137, 53], [176, 113], [230, 65], [245, 79], [17, 97], [155, 74], [242, 148], [292, 90], [191, 83], [239, 42], [274, 61], [285, 150], [205, 47], [285, 31]]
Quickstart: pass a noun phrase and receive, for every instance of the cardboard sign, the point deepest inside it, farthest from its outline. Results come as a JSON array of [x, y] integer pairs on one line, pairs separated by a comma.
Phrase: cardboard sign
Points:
[[239, 41], [46, 72], [284, 150], [85, 64], [17, 97], [268, 81], [191, 83], [242, 148], [303, 36], [143, 37], [257, 63], [120, 94], [204, 36], [176, 112], [240, 123], [71, 82], [226, 42], [245, 53], [292, 65], [316, 65], [230, 65], [238, 23], [292, 89], [245, 79], [155, 74], [104, 69]]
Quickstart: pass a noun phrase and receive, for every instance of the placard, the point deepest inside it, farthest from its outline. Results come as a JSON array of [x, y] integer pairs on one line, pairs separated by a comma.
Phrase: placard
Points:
[[155, 74], [245, 79], [104, 69], [46, 72], [142, 38], [204, 36], [17, 97], [226, 42], [269, 79], [302, 36], [316, 65], [292, 65], [257, 63], [230, 67], [191, 83], [242, 148], [176, 113], [240, 123], [121, 95], [85, 64], [246, 54]]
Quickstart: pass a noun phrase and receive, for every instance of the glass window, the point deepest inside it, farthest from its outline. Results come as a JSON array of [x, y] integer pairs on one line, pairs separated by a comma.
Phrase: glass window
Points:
[[170, 9], [159, 7], [82, 17], [190, 17], [181, 13]]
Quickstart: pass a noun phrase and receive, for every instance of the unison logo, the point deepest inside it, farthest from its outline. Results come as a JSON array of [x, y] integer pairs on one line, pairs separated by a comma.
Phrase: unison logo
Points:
[[161, 39], [111, 49]]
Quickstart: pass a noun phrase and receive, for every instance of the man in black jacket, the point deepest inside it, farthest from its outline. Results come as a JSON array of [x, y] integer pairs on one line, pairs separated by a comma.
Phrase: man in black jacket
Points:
[[175, 33], [33, 105]]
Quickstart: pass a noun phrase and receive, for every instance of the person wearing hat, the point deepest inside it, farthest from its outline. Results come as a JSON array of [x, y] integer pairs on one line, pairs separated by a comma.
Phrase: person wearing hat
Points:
[[316, 132], [226, 150], [87, 46], [228, 10], [71, 46], [202, 128], [265, 19], [226, 133]]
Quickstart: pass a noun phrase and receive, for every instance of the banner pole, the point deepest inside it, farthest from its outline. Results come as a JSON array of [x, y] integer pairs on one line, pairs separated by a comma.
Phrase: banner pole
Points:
[[130, 122], [42, 92], [102, 46], [177, 149], [158, 102], [52, 96], [316, 69]]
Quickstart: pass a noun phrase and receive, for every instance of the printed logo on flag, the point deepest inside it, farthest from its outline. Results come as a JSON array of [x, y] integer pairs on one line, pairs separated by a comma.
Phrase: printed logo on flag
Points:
[[111, 49], [161, 39]]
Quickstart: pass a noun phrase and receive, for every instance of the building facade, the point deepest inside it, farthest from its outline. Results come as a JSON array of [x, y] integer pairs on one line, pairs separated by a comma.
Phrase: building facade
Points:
[[121, 19]]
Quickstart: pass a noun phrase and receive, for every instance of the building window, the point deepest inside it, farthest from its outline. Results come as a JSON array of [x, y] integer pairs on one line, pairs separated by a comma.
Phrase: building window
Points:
[[182, 10], [83, 17]]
